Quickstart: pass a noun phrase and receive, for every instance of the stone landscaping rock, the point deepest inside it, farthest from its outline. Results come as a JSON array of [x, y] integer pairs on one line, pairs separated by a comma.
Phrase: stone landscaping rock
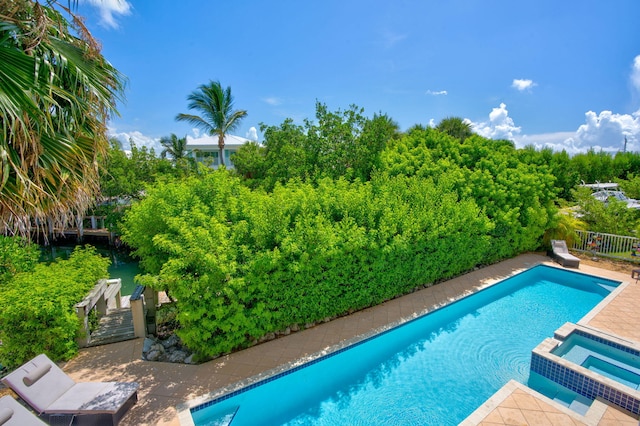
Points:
[[173, 340]]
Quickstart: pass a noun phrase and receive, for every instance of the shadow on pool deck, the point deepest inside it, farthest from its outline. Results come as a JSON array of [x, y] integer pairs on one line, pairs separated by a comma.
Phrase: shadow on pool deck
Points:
[[163, 386]]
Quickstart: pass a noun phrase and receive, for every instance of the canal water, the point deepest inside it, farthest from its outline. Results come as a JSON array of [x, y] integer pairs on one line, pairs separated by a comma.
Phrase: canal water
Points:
[[122, 266]]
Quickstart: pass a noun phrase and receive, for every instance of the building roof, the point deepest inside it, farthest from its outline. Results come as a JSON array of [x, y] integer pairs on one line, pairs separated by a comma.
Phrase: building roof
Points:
[[211, 142]]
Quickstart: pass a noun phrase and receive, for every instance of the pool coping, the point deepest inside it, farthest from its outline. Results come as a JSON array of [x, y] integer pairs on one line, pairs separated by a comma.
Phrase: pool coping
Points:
[[184, 409]]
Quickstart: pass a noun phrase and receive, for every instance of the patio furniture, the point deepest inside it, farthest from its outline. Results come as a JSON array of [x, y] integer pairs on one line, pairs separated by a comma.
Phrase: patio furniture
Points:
[[562, 255], [57, 398], [14, 414], [635, 274]]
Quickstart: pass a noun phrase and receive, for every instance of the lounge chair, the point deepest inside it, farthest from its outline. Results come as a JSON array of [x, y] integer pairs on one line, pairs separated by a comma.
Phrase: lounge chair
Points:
[[57, 398], [562, 255], [14, 414]]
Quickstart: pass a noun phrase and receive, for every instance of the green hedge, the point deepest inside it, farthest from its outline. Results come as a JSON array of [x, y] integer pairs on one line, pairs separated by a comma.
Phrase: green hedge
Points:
[[243, 263], [38, 314]]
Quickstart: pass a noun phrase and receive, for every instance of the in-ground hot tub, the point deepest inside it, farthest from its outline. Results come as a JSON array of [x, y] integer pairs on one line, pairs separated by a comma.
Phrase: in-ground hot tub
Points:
[[592, 364]]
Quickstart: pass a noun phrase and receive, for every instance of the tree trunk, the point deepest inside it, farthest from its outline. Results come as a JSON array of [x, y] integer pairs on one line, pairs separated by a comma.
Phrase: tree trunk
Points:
[[221, 147]]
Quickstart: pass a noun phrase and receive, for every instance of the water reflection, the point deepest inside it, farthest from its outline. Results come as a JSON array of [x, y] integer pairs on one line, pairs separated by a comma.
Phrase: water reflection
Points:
[[122, 266]]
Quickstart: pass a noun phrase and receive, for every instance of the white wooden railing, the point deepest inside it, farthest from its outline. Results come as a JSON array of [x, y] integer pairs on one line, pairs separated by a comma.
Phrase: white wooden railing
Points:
[[608, 245]]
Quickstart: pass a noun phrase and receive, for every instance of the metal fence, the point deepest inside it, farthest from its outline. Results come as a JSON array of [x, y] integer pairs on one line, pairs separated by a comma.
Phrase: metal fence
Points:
[[608, 245]]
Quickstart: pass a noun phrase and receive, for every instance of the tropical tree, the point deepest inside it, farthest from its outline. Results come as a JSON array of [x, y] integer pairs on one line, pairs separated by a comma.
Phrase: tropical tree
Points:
[[456, 127], [217, 114], [174, 146], [56, 94]]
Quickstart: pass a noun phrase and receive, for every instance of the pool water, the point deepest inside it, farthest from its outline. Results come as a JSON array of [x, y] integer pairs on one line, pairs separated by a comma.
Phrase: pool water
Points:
[[434, 370], [609, 361]]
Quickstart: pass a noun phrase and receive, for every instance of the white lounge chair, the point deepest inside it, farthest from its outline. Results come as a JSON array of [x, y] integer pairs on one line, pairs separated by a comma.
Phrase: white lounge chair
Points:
[[562, 255], [57, 398], [14, 414]]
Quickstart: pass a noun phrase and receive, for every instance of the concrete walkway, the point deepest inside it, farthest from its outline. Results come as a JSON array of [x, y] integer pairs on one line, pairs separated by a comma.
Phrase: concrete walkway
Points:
[[163, 386]]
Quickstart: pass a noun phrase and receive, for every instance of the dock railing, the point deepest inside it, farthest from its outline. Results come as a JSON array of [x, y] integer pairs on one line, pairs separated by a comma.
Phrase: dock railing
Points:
[[104, 295], [613, 246]]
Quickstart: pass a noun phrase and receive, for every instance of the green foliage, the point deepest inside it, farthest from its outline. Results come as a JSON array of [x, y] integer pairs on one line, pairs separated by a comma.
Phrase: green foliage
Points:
[[516, 196], [612, 217], [563, 226], [242, 264], [125, 176], [339, 144], [38, 314], [455, 127], [16, 255]]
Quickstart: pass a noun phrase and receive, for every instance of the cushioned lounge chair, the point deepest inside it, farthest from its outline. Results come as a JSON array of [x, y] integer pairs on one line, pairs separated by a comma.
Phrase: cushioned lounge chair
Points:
[[57, 398], [562, 255], [14, 414]]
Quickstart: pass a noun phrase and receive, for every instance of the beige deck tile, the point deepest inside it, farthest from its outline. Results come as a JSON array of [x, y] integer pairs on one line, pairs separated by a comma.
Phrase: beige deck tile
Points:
[[560, 419], [512, 416], [536, 418]]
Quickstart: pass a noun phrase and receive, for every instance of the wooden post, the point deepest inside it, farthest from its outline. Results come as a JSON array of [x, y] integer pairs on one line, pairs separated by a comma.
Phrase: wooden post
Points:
[[138, 312]]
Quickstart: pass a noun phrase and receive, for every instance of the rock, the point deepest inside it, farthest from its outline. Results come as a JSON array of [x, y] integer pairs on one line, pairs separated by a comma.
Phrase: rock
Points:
[[156, 351], [295, 327], [147, 344], [177, 356], [173, 340]]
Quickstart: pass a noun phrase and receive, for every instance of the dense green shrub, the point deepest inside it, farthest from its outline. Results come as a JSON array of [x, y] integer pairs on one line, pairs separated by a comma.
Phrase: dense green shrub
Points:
[[517, 196], [244, 263], [38, 314], [16, 255]]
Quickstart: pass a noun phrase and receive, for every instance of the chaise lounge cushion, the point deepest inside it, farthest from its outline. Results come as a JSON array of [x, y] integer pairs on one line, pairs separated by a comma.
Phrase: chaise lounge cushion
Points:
[[40, 393], [14, 414], [93, 397], [561, 253], [49, 390]]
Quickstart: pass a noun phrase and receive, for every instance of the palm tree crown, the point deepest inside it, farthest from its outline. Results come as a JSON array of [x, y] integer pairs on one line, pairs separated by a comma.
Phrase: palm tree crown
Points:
[[215, 105], [173, 146], [56, 94]]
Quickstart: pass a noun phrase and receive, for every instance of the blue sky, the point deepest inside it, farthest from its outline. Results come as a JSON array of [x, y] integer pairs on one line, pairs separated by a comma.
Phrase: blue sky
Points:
[[564, 74]]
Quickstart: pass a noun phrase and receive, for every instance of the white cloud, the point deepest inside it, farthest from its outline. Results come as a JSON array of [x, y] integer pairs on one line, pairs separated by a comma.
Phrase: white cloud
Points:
[[252, 134], [635, 73], [138, 139], [500, 125], [522, 85], [605, 131], [273, 101], [436, 93], [109, 8]]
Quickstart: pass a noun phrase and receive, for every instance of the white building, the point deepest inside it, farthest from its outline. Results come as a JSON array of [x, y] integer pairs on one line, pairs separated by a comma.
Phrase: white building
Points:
[[205, 149]]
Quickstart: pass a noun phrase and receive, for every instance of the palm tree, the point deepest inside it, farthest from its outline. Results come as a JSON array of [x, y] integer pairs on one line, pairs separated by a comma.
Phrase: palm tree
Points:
[[456, 127], [174, 146], [216, 106], [56, 94]]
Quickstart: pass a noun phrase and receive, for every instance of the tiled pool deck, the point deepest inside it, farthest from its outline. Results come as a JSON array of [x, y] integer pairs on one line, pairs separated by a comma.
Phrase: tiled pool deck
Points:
[[164, 386]]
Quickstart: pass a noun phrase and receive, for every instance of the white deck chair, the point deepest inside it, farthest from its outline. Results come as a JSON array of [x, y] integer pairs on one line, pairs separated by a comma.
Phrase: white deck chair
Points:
[[54, 395], [562, 255], [12, 413]]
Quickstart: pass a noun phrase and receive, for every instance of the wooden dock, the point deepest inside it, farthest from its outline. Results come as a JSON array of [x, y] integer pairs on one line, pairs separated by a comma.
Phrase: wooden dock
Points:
[[116, 326]]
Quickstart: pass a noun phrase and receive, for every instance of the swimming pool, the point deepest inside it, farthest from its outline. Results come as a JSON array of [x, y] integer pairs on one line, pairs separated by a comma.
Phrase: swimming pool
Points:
[[432, 370]]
